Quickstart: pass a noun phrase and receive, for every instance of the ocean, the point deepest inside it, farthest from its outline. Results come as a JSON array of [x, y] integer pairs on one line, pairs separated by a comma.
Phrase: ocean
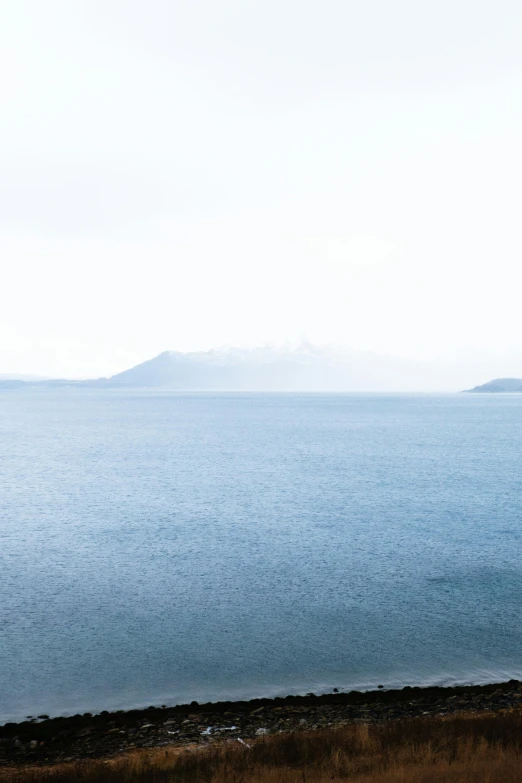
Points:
[[159, 547]]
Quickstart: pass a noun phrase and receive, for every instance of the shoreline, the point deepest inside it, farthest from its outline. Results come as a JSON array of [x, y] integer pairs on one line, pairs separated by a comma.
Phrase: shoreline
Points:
[[269, 694], [109, 734]]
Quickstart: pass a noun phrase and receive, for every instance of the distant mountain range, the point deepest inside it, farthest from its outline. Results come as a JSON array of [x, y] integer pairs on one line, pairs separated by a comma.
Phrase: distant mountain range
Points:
[[21, 377], [260, 369], [501, 385], [306, 368]]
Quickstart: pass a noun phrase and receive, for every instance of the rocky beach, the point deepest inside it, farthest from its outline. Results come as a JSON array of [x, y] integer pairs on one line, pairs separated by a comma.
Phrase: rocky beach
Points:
[[42, 740]]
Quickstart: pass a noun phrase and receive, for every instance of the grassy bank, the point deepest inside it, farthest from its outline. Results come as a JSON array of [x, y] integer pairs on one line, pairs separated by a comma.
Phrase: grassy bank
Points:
[[456, 749]]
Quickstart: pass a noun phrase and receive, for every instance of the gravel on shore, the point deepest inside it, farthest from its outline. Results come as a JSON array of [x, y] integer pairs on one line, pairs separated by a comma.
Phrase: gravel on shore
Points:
[[52, 740]]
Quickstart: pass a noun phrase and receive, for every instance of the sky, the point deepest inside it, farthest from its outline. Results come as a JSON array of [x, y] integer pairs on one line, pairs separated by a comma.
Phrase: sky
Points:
[[184, 174]]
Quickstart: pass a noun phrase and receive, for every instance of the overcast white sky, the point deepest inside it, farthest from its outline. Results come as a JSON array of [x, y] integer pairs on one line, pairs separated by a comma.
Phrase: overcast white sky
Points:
[[181, 174]]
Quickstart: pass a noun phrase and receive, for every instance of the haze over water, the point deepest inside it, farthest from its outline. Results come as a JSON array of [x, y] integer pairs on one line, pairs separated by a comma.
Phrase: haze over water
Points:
[[157, 548]]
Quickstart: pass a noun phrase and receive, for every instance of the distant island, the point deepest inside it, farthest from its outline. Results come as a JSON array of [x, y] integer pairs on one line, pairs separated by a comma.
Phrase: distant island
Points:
[[500, 385]]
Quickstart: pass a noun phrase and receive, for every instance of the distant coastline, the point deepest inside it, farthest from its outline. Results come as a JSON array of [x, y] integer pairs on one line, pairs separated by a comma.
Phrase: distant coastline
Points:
[[306, 368]]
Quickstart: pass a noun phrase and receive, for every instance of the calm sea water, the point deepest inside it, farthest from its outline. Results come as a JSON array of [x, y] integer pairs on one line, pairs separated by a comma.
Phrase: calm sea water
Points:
[[157, 548]]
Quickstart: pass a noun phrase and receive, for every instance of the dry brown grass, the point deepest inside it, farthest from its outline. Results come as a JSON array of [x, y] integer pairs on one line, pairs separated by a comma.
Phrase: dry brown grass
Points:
[[461, 749]]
